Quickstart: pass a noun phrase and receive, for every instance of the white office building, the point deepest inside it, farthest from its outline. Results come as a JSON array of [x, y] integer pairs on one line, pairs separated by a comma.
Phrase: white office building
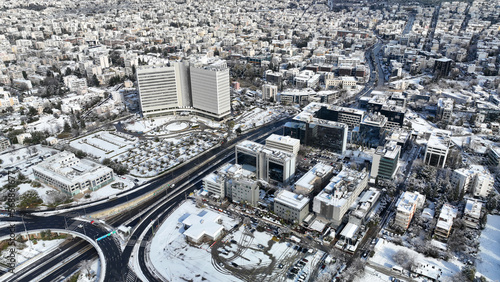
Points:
[[284, 143], [268, 164], [436, 151], [210, 90], [339, 195], [159, 89], [67, 173], [290, 206]]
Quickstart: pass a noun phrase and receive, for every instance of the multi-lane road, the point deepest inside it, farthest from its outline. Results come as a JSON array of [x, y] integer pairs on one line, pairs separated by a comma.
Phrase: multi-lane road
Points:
[[116, 260]]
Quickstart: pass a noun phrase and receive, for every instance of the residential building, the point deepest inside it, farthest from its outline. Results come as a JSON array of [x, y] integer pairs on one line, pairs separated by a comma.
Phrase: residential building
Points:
[[476, 180], [290, 206], [6, 100], [4, 143], [315, 179], [269, 92], [445, 221], [406, 206], [493, 155], [472, 213], [338, 196], [67, 173], [385, 161], [444, 109]]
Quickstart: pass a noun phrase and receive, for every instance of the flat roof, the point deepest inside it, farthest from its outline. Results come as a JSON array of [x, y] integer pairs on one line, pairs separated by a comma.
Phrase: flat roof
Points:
[[349, 230], [291, 199], [203, 223], [307, 180], [283, 139]]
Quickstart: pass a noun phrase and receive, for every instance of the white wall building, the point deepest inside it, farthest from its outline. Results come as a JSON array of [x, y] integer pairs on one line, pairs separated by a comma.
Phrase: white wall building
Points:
[[269, 91], [159, 89], [313, 179], [476, 180], [291, 206], [210, 90], [284, 143], [339, 195], [67, 173], [406, 206]]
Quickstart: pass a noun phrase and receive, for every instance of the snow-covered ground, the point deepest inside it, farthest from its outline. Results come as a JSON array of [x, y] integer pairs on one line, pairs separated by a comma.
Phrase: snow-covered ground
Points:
[[31, 250], [259, 116], [149, 158], [384, 252], [95, 270], [175, 259], [489, 257], [104, 144], [371, 275]]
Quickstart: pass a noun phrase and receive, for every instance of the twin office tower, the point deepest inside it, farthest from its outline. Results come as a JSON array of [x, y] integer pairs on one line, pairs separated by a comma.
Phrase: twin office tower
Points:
[[181, 86]]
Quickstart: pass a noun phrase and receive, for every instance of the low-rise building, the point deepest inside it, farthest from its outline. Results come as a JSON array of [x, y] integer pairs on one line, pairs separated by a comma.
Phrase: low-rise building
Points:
[[314, 179], [67, 173], [406, 206], [445, 221], [4, 143], [290, 206], [476, 180], [203, 227], [472, 213]]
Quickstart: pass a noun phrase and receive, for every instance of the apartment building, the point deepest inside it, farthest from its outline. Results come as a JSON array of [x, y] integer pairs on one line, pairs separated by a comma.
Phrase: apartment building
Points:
[[406, 206], [472, 213], [445, 221]]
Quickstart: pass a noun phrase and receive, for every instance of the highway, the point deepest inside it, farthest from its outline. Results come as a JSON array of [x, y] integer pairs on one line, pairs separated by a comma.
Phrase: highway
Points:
[[116, 262]]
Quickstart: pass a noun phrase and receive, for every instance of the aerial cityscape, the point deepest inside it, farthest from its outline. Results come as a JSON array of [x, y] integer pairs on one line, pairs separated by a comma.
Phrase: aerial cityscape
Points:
[[290, 141]]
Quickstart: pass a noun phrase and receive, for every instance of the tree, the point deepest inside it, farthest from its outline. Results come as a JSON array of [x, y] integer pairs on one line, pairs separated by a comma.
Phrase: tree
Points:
[[67, 71], [29, 199], [95, 81], [67, 127], [86, 265]]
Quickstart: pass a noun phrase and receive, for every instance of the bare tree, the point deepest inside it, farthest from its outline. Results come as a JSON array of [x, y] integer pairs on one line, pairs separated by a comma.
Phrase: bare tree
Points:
[[86, 265]]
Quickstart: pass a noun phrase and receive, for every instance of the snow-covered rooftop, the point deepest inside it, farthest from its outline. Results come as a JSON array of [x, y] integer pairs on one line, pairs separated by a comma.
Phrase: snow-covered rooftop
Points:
[[291, 199]]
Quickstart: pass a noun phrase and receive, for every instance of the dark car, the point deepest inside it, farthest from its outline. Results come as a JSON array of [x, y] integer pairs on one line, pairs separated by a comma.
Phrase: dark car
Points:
[[280, 266]]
